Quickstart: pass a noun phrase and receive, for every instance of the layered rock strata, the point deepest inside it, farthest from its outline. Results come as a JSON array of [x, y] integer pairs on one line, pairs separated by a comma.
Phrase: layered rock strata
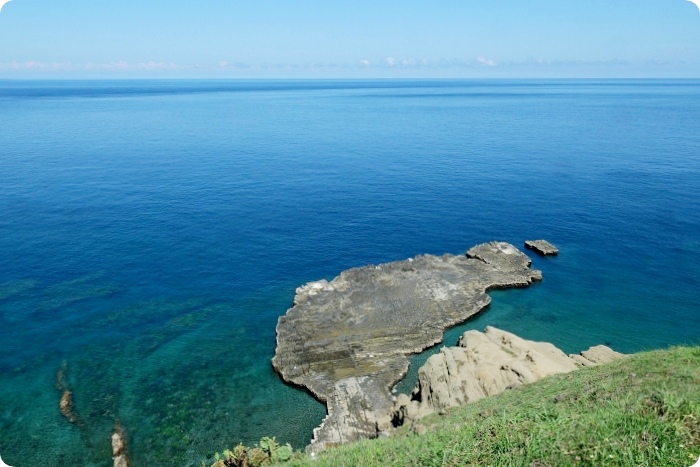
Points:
[[542, 247], [347, 340], [486, 364]]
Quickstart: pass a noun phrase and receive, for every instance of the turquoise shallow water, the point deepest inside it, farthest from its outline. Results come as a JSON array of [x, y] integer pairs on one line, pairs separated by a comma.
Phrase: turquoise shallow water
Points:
[[151, 233]]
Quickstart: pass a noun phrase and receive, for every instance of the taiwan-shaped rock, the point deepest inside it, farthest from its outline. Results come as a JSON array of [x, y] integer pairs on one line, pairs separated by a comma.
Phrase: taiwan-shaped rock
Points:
[[348, 340]]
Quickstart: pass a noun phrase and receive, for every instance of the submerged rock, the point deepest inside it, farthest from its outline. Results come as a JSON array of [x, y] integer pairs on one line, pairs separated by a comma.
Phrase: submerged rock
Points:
[[119, 447], [486, 364], [347, 340], [119, 452], [543, 247], [65, 404]]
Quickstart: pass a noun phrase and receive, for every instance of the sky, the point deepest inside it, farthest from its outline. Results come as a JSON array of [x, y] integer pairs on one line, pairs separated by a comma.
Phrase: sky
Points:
[[71, 39]]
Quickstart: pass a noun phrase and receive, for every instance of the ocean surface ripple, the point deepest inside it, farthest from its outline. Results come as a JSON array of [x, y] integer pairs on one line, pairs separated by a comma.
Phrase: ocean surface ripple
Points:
[[151, 233]]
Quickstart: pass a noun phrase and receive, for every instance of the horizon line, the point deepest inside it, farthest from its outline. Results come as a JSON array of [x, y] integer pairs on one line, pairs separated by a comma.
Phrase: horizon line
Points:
[[494, 78]]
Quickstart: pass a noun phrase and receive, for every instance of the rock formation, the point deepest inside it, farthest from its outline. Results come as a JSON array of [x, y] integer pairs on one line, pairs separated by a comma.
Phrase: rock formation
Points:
[[65, 404], [596, 355], [347, 340], [119, 449], [542, 247], [485, 364], [119, 452]]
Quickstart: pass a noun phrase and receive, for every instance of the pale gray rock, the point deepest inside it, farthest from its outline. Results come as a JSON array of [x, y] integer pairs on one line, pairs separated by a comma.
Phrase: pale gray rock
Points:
[[120, 456], [597, 355], [347, 340], [543, 247], [486, 364]]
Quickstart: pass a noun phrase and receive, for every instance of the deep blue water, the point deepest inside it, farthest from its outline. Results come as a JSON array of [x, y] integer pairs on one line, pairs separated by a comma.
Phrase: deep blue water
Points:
[[151, 233]]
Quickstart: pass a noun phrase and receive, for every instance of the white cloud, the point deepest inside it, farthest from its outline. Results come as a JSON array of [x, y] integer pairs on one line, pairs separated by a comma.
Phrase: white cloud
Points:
[[111, 66], [389, 66], [35, 66], [483, 61]]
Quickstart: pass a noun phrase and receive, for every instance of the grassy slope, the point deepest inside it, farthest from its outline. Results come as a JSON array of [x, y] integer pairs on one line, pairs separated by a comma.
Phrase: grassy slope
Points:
[[642, 410]]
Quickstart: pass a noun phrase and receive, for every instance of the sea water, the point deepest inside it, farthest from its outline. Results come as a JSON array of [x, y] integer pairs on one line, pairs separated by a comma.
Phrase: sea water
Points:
[[151, 234]]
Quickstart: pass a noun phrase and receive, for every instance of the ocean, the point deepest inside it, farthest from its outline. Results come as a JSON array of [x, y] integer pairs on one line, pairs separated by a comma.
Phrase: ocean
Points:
[[152, 232]]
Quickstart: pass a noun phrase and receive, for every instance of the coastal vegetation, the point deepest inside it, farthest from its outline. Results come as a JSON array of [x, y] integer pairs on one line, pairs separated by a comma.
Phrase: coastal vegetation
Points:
[[267, 451], [641, 410]]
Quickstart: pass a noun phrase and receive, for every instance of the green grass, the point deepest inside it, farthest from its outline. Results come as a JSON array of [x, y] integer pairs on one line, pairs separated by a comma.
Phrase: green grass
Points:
[[640, 411]]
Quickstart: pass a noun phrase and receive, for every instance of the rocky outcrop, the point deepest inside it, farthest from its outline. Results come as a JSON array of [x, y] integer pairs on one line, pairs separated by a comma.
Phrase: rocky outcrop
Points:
[[347, 340], [65, 406], [542, 247], [119, 453], [119, 448], [596, 355], [65, 403], [486, 364]]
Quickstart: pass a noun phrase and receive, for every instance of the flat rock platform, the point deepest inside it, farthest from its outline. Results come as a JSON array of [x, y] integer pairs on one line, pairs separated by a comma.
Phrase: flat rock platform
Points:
[[347, 341]]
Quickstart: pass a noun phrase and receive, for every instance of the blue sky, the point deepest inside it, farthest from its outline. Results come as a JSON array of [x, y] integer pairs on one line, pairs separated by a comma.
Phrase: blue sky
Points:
[[358, 39]]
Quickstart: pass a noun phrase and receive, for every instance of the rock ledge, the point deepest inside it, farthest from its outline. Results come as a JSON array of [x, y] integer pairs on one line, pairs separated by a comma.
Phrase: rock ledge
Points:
[[542, 247]]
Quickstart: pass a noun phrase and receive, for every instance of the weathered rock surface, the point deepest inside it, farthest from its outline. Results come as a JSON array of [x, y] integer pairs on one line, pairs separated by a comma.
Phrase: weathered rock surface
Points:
[[542, 247], [347, 340], [486, 364], [65, 404], [596, 355], [119, 453]]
